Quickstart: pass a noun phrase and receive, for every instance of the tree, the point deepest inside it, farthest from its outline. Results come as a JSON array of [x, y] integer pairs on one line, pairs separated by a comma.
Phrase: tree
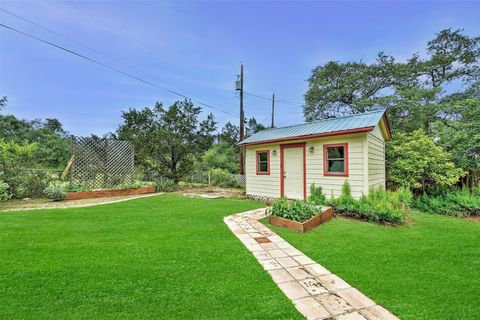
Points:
[[53, 147], [221, 155], [167, 141], [459, 130], [230, 134], [412, 91], [3, 102], [416, 162], [253, 127]]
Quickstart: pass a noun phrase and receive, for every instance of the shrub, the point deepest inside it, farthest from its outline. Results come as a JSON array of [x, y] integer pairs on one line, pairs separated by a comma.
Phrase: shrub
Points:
[[378, 206], [55, 191], [295, 210], [223, 178], [316, 195], [4, 195], [165, 184], [345, 203], [415, 161], [453, 202]]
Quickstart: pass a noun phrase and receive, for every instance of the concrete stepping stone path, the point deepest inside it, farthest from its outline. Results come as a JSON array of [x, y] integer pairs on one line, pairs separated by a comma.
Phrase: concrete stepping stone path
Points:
[[316, 292]]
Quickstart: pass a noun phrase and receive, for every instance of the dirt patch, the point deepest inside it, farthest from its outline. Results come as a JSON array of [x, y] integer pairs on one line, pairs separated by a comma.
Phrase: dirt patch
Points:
[[212, 192], [473, 218]]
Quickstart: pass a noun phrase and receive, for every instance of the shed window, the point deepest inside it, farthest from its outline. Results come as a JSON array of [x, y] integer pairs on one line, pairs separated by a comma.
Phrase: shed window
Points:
[[335, 159], [263, 162]]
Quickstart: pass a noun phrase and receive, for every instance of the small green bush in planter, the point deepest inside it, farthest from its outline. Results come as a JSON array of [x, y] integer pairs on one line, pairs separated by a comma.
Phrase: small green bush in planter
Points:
[[295, 210], [55, 191], [4, 195]]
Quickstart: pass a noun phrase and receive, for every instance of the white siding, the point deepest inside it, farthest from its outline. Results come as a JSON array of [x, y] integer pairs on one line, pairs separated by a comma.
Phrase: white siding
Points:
[[333, 185], [263, 185], [269, 185], [376, 159]]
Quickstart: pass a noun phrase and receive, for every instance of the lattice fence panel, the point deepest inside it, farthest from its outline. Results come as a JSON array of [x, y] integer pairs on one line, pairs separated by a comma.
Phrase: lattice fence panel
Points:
[[101, 163]]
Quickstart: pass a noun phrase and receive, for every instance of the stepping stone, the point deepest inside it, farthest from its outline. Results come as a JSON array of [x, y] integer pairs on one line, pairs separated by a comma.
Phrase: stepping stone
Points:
[[316, 270], [333, 282], [299, 272], [334, 304], [351, 316], [287, 262], [377, 312], [262, 255], [355, 298], [270, 264], [277, 253], [313, 286], [310, 308], [280, 275], [293, 290], [303, 259]]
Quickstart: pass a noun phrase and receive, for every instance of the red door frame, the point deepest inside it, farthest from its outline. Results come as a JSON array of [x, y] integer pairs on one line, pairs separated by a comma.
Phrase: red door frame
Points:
[[294, 145]]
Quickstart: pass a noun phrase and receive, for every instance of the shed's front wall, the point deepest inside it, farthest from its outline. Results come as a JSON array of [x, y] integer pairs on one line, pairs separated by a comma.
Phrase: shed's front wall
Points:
[[268, 186]]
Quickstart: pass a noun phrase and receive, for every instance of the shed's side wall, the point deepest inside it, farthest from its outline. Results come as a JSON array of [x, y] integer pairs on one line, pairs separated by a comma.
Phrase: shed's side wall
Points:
[[269, 185], [376, 159]]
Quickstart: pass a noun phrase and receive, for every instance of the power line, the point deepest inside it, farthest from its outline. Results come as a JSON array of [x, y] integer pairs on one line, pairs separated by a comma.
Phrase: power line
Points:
[[276, 100], [113, 68], [90, 48]]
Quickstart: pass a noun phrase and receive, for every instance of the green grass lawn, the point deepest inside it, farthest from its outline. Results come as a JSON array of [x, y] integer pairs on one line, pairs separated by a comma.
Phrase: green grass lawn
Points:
[[164, 257], [429, 269]]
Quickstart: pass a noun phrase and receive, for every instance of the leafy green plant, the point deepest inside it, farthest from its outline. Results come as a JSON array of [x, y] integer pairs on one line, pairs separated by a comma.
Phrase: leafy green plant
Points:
[[55, 191], [223, 178], [378, 206], [316, 195], [166, 184], [4, 195], [454, 202], [295, 210]]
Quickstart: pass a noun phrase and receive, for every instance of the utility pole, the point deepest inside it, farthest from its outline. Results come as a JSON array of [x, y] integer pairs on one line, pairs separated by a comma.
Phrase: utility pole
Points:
[[273, 110], [239, 87]]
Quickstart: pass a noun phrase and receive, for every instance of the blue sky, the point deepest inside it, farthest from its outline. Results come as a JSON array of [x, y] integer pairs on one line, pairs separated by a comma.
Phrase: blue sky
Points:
[[195, 47]]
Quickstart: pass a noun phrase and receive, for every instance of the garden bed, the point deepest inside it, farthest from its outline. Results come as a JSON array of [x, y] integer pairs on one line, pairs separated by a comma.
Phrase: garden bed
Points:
[[109, 193], [324, 216]]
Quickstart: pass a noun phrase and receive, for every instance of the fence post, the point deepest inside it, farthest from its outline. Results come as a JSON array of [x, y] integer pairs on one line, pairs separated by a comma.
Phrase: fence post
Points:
[[209, 181]]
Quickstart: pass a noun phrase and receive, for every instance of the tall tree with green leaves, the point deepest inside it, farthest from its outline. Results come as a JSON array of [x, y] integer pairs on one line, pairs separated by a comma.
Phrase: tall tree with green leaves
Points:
[[412, 91], [167, 140]]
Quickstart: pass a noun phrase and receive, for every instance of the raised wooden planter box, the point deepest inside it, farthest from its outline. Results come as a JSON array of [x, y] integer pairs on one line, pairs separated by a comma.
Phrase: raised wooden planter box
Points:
[[109, 193], [303, 227]]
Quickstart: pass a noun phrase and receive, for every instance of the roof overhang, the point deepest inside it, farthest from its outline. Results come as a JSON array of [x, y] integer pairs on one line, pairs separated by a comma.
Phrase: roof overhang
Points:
[[388, 132], [311, 136]]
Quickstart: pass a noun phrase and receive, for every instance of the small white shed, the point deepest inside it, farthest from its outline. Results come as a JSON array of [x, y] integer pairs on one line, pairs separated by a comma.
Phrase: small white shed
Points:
[[284, 162]]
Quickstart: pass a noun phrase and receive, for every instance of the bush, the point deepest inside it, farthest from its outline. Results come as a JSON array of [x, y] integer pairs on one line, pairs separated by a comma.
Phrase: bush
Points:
[[55, 191], [295, 210], [223, 178], [316, 195], [378, 206], [166, 184], [453, 202], [4, 195]]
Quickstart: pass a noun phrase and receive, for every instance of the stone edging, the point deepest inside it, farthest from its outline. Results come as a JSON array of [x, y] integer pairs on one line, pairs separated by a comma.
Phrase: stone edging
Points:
[[315, 291]]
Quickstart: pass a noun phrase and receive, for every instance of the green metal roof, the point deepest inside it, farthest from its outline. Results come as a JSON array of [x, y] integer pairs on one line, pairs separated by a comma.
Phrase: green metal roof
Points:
[[332, 125]]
